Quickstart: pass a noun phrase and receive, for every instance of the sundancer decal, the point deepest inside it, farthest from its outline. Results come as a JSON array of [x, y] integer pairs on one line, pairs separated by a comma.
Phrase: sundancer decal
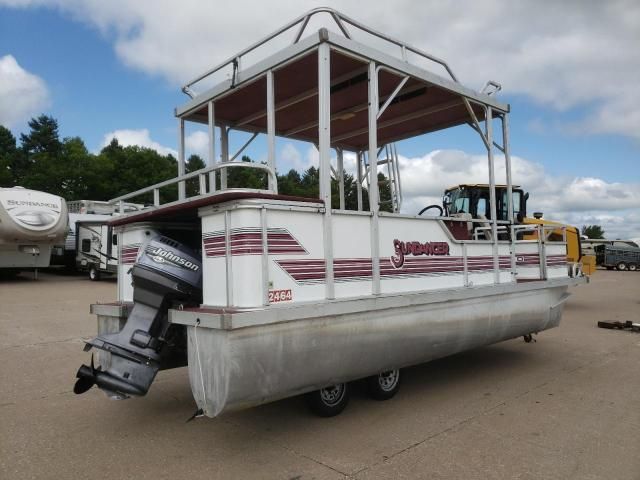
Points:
[[37, 211], [416, 248]]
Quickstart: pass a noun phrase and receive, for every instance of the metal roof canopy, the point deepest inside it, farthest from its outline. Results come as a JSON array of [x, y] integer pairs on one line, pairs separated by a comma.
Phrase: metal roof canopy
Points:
[[425, 102]]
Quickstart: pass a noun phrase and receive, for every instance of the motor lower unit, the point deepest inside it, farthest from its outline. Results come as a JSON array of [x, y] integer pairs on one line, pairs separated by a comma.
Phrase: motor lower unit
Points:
[[166, 273]]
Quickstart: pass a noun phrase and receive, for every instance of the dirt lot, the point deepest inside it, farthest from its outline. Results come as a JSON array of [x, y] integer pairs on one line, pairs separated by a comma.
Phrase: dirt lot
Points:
[[565, 407]]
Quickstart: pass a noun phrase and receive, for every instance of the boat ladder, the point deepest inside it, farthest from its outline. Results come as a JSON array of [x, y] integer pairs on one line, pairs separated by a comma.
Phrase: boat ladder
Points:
[[387, 156]]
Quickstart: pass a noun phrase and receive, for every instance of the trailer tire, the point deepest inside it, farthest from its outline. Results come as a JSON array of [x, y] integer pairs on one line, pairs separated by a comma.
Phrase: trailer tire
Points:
[[94, 274], [329, 401], [384, 385], [632, 267], [621, 266]]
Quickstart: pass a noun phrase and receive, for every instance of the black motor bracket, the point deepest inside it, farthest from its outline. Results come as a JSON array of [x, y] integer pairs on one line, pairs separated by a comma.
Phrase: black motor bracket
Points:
[[166, 273]]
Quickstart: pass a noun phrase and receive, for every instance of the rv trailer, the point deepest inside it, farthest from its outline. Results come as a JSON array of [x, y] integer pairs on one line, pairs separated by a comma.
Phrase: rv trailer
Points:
[[99, 207], [90, 211], [31, 224], [96, 247], [265, 295], [68, 258]]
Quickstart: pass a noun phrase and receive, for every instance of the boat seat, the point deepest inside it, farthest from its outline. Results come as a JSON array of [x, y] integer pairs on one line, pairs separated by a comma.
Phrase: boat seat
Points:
[[459, 226], [465, 216], [485, 223]]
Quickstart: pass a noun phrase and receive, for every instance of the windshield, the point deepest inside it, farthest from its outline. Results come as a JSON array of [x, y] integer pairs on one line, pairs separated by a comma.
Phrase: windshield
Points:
[[458, 200], [504, 207], [475, 200]]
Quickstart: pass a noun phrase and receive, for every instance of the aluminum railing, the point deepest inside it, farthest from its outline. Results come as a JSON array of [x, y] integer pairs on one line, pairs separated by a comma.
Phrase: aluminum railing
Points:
[[342, 21], [202, 178], [541, 235]]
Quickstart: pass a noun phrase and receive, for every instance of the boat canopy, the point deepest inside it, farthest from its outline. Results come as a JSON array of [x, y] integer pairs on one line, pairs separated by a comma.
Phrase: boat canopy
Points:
[[415, 100], [333, 88]]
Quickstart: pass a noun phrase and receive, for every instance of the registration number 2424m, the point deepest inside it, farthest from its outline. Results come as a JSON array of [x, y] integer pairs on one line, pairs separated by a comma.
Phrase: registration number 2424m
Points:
[[280, 296]]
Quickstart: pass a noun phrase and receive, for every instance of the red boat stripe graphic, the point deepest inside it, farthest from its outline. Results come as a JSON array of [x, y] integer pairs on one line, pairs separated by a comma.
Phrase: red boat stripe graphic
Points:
[[310, 271], [248, 241], [129, 254]]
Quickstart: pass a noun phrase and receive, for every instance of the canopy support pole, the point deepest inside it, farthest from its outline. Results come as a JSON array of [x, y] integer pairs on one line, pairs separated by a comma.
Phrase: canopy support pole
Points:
[[181, 161], [271, 131], [374, 206], [211, 161], [224, 155], [492, 195], [324, 149]]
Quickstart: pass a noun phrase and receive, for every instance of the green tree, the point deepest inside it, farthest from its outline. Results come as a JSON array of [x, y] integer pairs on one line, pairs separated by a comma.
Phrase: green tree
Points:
[[42, 165], [290, 184], [68, 169], [79, 177], [307, 184], [238, 177], [8, 153], [132, 168], [593, 231], [43, 137], [194, 163]]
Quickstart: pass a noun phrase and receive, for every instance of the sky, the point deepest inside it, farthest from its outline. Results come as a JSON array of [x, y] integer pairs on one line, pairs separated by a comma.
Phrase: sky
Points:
[[569, 70]]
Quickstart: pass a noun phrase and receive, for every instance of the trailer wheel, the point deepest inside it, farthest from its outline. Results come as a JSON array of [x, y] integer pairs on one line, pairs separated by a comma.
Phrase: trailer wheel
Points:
[[94, 274], [621, 266], [633, 267], [384, 385], [328, 401]]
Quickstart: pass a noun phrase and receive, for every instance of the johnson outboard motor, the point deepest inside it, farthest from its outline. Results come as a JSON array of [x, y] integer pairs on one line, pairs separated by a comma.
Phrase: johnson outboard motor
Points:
[[166, 273]]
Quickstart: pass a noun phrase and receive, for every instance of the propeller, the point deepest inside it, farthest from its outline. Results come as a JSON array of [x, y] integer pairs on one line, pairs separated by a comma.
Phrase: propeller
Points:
[[86, 378]]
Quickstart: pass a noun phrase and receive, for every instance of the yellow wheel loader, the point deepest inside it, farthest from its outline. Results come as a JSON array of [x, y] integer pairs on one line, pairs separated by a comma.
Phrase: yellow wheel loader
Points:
[[473, 200]]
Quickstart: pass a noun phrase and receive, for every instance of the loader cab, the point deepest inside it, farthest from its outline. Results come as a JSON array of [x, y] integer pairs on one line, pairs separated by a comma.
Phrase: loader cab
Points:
[[474, 200]]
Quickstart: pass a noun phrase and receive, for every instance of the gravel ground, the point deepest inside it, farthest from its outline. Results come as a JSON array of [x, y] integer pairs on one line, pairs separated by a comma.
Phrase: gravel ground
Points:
[[565, 407]]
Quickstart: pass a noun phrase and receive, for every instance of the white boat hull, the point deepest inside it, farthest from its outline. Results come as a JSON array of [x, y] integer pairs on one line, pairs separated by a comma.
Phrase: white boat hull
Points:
[[241, 367]]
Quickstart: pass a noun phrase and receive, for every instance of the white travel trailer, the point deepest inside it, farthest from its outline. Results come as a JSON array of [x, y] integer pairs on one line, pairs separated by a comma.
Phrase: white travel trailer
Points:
[[89, 211], [265, 295], [99, 207], [96, 247], [31, 223]]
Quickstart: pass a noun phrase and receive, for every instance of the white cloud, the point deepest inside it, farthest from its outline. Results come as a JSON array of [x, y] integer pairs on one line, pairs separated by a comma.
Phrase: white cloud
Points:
[[561, 54], [312, 157], [140, 137], [197, 143], [22, 94], [290, 157]]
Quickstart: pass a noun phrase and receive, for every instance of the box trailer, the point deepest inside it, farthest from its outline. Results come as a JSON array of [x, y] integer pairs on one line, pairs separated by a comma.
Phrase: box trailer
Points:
[[620, 258]]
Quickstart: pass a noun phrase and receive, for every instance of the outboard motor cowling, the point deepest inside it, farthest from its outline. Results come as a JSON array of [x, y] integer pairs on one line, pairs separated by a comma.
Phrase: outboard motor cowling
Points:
[[164, 274]]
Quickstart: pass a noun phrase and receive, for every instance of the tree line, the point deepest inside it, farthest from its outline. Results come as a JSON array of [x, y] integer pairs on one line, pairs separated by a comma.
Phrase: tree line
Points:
[[65, 167], [592, 231]]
